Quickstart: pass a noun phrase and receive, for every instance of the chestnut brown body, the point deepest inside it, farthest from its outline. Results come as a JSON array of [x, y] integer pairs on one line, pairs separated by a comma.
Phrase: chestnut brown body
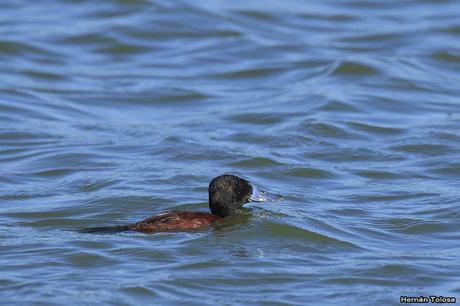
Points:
[[175, 221]]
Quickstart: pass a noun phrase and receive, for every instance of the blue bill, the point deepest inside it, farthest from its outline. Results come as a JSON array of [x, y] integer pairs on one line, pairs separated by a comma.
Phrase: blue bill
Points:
[[263, 196]]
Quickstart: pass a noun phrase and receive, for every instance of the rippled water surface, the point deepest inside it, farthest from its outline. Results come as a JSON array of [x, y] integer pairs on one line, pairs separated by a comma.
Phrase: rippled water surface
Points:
[[112, 111]]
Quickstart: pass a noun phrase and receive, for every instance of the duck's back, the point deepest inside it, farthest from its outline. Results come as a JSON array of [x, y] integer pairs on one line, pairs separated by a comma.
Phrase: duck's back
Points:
[[175, 221]]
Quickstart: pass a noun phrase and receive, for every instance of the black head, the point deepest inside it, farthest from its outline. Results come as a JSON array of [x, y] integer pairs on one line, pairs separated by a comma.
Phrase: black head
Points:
[[227, 194]]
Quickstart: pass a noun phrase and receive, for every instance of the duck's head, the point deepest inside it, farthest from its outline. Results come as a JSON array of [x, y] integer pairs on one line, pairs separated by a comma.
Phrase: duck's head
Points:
[[228, 193]]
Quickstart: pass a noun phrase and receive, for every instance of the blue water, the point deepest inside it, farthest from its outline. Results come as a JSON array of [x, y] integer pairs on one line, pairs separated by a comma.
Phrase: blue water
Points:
[[114, 111]]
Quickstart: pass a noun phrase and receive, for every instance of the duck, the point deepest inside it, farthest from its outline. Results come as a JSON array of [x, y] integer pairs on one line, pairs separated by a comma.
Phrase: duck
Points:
[[227, 195]]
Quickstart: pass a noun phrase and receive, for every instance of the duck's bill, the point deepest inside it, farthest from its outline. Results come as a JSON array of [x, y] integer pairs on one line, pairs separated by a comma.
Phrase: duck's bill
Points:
[[263, 196]]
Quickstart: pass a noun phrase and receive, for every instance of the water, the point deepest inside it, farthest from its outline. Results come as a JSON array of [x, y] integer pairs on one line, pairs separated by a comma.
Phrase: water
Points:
[[114, 111]]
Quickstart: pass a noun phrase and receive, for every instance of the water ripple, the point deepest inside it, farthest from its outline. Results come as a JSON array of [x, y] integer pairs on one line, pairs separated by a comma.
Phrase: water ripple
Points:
[[115, 111]]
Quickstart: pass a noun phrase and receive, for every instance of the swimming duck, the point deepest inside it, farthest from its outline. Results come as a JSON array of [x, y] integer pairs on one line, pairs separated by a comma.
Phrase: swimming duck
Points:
[[227, 194]]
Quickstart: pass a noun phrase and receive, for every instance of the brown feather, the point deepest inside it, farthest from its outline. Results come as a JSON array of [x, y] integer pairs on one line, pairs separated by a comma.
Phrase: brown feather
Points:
[[175, 221]]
